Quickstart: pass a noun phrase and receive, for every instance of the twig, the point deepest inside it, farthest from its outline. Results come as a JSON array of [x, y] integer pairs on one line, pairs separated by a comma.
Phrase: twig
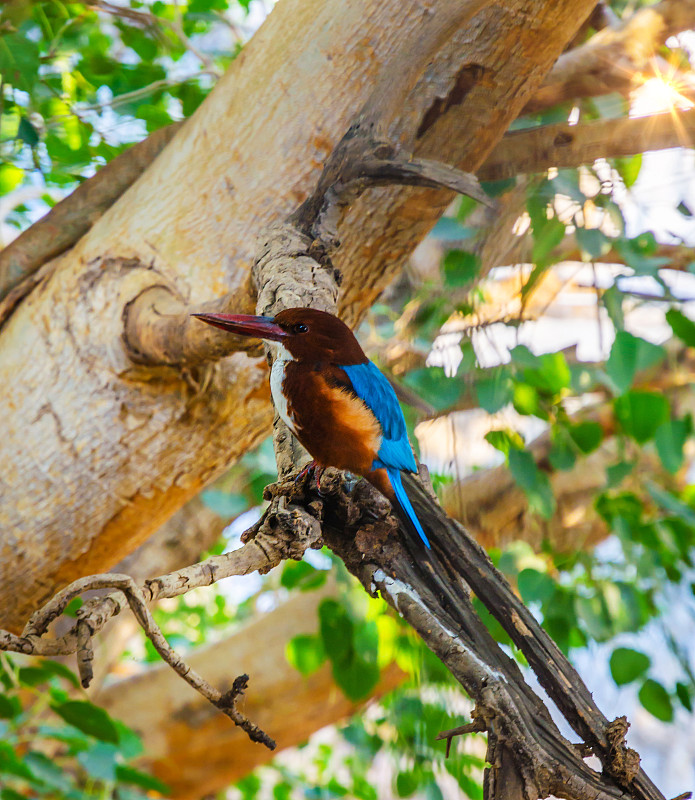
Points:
[[477, 726], [284, 532]]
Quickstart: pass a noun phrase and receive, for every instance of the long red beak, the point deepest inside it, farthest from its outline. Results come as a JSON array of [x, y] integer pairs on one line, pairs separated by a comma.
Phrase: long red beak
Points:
[[245, 325]]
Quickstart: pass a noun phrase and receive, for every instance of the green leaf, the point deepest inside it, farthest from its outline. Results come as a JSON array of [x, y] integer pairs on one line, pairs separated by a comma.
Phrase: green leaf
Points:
[[99, 761], [356, 677], [336, 630], [547, 235], [630, 354], [637, 254], [681, 326], [433, 385], [449, 229], [592, 242], [460, 268], [670, 438], [88, 718], [684, 695], [11, 764], [527, 401], [300, 574], [494, 392], [305, 653], [562, 455], [629, 168], [671, 503], [551, 375], [504, 441], [19, 61], [136, 777], [33, 676], [407, 783], [612, 300], [656, 700], [9, 706], [497, 188], [154, 116], [10, 794], [224, 504], [627, 665], [73, 607], [586, 435], [10, 178], [617, 472], [61, 670], [535, 586], [27, 132], [523, 357], [533, 481], [641, 413], [47, 771]]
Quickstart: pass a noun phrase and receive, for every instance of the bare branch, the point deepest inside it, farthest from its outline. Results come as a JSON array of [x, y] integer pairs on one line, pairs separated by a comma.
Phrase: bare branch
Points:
[[538, 149], [284, 532]]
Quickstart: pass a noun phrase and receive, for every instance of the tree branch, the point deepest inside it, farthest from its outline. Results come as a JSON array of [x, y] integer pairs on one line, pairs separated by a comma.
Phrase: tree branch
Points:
[[158, 327], [284, 532], [609, 61], [561, 146], [70, 219]]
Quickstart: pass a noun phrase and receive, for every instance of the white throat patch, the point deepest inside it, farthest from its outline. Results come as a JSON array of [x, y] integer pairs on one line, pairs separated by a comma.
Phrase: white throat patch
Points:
[[277, 376]]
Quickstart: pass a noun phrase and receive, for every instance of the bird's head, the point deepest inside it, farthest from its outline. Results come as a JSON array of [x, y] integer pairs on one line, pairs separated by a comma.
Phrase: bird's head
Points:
[[307, 334]]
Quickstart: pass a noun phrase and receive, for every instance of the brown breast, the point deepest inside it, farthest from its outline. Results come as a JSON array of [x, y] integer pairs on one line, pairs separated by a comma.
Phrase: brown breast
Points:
[[334, 425]]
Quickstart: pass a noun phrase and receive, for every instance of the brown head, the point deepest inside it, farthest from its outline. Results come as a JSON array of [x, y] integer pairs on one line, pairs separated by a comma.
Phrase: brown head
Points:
[[307, 334]]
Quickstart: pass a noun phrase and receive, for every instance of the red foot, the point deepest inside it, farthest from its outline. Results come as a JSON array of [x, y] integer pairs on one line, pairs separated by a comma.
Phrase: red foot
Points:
[[318, 472]]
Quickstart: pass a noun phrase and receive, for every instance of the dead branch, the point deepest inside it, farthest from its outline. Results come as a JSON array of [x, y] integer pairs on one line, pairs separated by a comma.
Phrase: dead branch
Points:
[[561, 146], [284, 532]]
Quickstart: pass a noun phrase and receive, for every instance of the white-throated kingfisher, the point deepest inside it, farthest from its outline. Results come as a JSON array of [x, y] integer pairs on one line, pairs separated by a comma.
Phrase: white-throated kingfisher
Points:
[[334, 399]]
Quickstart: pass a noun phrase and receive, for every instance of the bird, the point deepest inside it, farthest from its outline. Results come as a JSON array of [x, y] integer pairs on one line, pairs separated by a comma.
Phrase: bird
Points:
[[335, 401]]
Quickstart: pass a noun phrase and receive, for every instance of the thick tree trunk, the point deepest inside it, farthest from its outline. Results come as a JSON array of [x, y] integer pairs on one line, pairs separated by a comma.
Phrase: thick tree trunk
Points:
[[97, 452]]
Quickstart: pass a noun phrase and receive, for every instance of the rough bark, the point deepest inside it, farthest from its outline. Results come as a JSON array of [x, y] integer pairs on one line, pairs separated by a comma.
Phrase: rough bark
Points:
[[192, 747], [98, 452]]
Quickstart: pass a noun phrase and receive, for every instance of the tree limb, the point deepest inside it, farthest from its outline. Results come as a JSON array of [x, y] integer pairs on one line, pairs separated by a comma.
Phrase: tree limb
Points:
[[283, 533], [562, 146], [609, 61], [190, 746], [63, 225]]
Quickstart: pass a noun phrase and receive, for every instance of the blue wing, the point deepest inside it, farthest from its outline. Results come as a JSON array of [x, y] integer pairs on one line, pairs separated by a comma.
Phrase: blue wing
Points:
[[395, 452], [376, 392]]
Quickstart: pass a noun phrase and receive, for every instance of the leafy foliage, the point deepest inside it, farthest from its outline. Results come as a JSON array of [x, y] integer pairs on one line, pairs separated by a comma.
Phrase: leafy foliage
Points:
[[59, 748], [82, 82]]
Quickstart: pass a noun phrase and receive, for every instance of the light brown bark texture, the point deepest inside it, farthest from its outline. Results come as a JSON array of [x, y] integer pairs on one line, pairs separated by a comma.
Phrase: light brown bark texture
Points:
[[97, 453], [193, 747]]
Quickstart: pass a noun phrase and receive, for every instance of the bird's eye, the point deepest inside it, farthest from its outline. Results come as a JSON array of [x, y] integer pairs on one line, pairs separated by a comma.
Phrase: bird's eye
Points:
[[300, 327]]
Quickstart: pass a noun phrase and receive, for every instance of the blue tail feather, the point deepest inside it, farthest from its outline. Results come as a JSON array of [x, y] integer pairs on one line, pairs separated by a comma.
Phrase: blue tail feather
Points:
[[404, 502]]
